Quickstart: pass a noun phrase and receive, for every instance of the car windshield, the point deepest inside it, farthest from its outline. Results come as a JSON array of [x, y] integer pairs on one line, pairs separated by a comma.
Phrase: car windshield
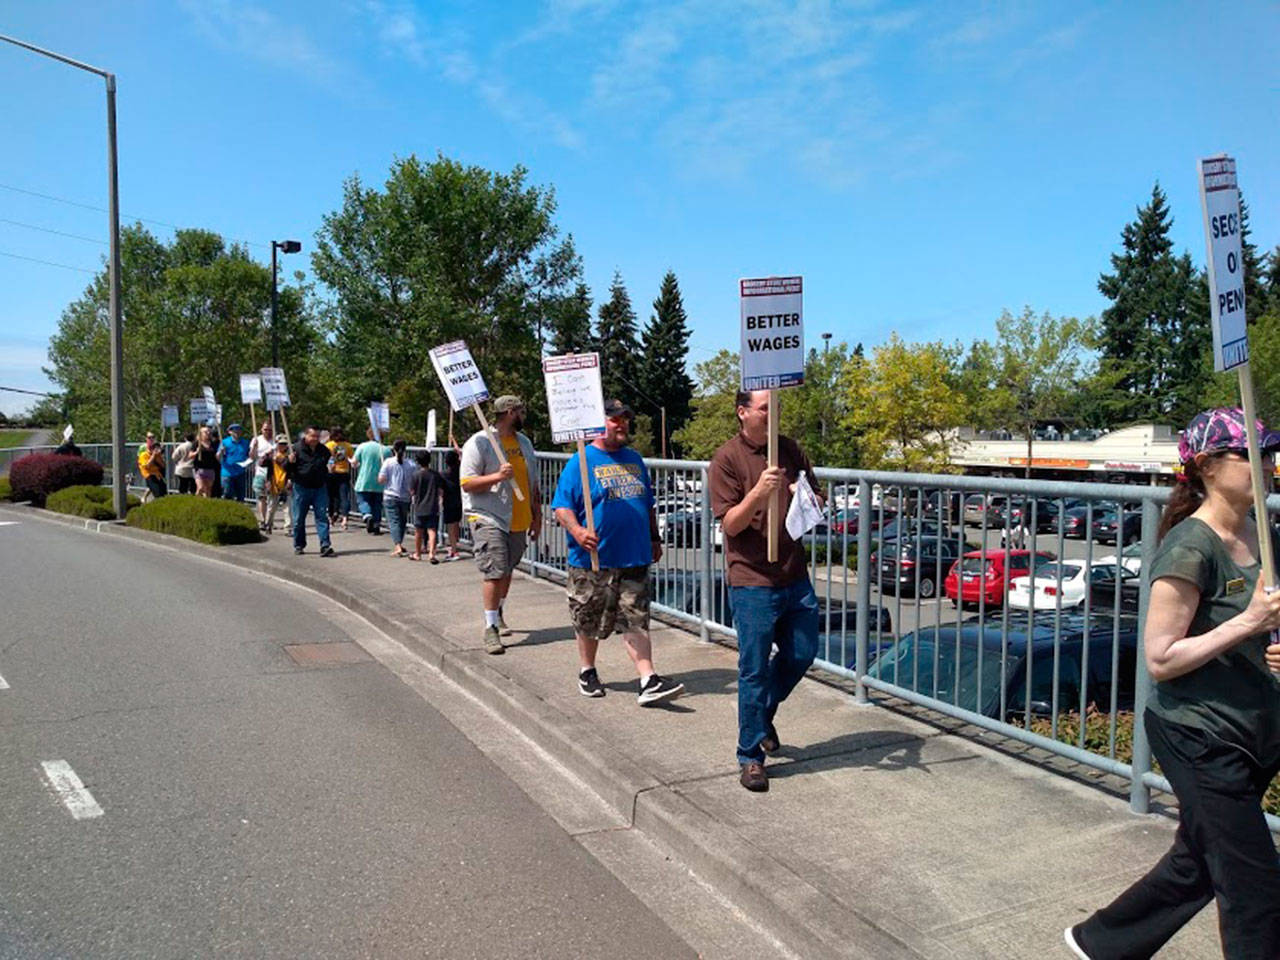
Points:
[[974, 565], [1052, 571], [940, 669]]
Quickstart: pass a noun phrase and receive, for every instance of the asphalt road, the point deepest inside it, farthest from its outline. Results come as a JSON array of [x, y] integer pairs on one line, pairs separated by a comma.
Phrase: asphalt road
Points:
[[251, 806]]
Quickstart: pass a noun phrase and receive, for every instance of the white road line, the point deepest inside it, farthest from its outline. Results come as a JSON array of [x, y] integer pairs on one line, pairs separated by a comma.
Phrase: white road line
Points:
[[3, 685], [78, 801], [9, 523]]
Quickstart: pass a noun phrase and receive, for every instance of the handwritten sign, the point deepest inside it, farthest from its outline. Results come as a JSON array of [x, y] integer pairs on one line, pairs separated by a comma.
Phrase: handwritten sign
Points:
[[250, 388], [575, 400], [208, 394], [168, 416], [379, 418], [459, 375], [1220, 201], [772, 332], [275, 387]]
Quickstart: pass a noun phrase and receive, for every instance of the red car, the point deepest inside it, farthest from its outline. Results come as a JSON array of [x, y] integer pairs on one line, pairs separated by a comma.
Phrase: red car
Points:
[[976, 576]]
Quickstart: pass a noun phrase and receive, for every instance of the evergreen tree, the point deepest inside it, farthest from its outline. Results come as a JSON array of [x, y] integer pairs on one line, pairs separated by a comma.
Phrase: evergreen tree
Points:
[[619, 350], [1153, 333], [665, 348], [570, 323], [1271, 281], [1255, 291]]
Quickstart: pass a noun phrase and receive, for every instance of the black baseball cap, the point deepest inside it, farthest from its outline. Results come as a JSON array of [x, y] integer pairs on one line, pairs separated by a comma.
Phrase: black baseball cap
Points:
[[616, 408]]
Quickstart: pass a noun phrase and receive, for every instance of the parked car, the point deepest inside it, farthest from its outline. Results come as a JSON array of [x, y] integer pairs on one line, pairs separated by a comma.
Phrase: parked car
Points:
[[683, 528], [1075, 523], [836, 636], [1130, 558], [976, 506], [960, 663], [1019, 512], [979, 576], [900, 566], [847, 520], [1109, 527], [1062, 584], [1102, 592], [912, 529]]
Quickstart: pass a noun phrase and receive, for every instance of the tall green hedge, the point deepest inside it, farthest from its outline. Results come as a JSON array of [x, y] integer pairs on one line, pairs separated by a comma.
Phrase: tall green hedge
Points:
[[198, 518], [86, 501]]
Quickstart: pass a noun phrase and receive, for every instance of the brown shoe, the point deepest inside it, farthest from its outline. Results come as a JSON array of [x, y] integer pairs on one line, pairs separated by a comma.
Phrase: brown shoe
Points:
[[770, 744], [754, 778]]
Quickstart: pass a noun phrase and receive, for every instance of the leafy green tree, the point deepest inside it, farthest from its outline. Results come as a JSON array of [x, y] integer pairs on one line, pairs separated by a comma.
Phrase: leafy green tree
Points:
[[1271, 281], [902, 406], [196, 313], [664, 349], [813, 413], [443, 251], [714, 419], [1037, 362], [619, 350], [1153, 334]]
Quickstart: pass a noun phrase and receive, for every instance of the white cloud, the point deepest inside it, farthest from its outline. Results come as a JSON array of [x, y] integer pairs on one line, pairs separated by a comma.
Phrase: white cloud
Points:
[[256, 32]]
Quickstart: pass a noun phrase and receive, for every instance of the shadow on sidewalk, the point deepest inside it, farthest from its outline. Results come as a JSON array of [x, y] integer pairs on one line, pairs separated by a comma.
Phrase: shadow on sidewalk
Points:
[[869, 749], [542, 635]]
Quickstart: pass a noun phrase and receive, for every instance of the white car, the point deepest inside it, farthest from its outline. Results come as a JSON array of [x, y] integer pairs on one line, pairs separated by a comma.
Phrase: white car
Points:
[[1061, 584], [1130, 559]]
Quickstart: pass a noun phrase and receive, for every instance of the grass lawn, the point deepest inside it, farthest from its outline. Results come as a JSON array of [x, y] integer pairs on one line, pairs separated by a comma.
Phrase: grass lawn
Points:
[[14, 438]]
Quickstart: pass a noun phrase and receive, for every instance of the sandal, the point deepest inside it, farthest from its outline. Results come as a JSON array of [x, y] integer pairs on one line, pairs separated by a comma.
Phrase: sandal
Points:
[[415, 556]]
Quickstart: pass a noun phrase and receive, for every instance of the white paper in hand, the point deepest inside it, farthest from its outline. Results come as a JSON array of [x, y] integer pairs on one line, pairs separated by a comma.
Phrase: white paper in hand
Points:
[[805, 511]]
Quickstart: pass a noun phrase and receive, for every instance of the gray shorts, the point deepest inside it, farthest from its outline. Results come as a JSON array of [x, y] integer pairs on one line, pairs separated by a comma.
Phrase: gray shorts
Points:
[[497, 551], [603, 601]]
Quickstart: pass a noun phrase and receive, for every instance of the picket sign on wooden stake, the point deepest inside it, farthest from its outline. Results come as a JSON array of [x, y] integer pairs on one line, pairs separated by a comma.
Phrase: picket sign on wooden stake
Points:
[[496, 440]]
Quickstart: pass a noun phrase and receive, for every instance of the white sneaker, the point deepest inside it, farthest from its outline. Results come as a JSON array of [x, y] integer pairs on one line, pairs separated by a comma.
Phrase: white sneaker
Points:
[[1070, 937]]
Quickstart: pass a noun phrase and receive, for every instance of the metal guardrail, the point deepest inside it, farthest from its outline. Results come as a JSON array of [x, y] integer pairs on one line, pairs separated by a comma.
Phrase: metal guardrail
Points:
[[928, 624]]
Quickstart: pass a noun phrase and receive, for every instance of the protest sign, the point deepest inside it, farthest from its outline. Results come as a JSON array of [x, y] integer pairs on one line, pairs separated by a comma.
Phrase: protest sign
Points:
[[575, 403], [168, 416], [379, 419], [67, 432], [217, 414], [459, 375], [772, 312], [274, 387], [208, 394], [431, 429], [1220, 203], [200, 410], [464, 386], [250, 388]]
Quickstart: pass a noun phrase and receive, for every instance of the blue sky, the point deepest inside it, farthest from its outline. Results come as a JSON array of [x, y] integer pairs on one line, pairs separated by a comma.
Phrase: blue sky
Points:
[[922, 165]]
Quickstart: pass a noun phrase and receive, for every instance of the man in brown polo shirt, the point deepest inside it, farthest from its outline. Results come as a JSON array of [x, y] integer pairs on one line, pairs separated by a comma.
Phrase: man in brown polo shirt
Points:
[[772, 602]]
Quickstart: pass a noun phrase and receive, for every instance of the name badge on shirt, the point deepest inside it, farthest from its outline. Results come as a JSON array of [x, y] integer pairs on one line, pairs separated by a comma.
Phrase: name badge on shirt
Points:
[[1235, 586]]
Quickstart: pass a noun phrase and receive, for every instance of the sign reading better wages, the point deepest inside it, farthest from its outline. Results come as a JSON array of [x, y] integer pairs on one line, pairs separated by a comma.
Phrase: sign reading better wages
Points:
[[772, 332], [1220, 200], [459, 374], [575, 400]]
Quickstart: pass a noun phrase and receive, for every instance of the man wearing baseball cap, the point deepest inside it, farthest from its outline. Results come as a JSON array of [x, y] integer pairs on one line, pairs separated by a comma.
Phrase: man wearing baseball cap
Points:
[[500, 524], [233, 452], [615, 597]]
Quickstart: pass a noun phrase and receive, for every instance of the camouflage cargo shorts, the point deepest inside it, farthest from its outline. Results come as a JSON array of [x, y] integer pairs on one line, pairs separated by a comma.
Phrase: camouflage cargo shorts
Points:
[[609, 600]]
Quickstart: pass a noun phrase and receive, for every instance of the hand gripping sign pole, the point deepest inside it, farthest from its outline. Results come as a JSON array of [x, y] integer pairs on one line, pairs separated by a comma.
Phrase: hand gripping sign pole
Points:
[[1220, 201], [772, 357], [464, 386], [575, 403]]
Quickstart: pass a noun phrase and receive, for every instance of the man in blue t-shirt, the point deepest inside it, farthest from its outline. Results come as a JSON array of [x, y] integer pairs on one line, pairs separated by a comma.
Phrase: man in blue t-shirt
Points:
[[626, 541], [233, 452]]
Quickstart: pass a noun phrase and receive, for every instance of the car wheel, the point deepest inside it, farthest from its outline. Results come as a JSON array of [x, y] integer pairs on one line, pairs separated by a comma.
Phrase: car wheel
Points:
[[926, 590]]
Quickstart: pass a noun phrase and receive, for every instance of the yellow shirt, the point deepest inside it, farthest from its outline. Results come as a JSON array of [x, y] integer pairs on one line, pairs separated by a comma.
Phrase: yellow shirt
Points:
[[521, 510], [147, 468], [342, 453], [278, 475]]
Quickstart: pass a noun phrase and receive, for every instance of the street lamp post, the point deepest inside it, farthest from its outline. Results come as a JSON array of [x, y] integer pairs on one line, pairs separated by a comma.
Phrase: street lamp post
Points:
[[118, 494], [285, 246], [826, 345]]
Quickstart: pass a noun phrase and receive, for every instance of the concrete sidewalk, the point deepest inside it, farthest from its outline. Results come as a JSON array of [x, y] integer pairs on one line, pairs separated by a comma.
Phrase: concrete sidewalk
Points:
[[882, 835]]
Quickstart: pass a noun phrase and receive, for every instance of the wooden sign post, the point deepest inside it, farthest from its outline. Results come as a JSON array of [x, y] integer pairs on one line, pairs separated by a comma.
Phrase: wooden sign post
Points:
[[1220, 203], [465, 387], [276, 396], [575, 403], [772, 356]]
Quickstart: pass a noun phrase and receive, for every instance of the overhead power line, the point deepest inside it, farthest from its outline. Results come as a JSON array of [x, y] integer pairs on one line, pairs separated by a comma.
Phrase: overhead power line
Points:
[[56, 233], [47, 263], [89, 206]]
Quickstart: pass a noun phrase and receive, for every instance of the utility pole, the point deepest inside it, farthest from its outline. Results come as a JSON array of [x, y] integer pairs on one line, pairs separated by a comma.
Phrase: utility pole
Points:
[[118, 496]]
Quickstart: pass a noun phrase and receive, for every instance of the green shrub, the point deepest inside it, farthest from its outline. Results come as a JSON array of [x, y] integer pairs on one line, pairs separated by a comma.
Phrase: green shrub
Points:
[[86, 501], [198, 518], [6, 491]]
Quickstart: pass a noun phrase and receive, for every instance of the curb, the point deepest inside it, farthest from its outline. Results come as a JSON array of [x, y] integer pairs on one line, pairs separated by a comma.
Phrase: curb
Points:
[[804, 917]]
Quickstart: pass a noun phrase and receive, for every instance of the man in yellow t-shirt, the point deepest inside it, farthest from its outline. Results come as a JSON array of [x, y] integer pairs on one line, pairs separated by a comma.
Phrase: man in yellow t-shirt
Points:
[[340, 453], [151, 466]]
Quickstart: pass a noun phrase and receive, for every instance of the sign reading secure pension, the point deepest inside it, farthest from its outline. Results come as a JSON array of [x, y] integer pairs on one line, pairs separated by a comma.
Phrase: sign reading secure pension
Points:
[[772, 332], [459, 374], [1220, 201], [275, 387], [575, 400]]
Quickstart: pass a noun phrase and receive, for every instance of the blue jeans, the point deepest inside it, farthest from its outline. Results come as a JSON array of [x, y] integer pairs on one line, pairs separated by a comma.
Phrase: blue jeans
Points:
[[233, 487], [315, 499], [339, 495], [763, 616], [397, 517], [370, 504]]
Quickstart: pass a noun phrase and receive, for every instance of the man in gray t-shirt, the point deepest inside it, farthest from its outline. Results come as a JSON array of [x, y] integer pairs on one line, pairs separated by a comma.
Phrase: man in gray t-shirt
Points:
[[500, 521]]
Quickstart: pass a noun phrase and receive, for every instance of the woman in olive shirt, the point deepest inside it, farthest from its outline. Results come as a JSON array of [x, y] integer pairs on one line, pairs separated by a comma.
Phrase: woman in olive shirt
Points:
[[1214, 721]]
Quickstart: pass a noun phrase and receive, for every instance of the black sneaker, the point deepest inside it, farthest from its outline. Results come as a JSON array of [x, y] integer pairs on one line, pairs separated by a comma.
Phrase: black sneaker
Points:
[[589, 684], [659, 688], [368, 524], [328, 551], [771, 744], [297, 551]]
